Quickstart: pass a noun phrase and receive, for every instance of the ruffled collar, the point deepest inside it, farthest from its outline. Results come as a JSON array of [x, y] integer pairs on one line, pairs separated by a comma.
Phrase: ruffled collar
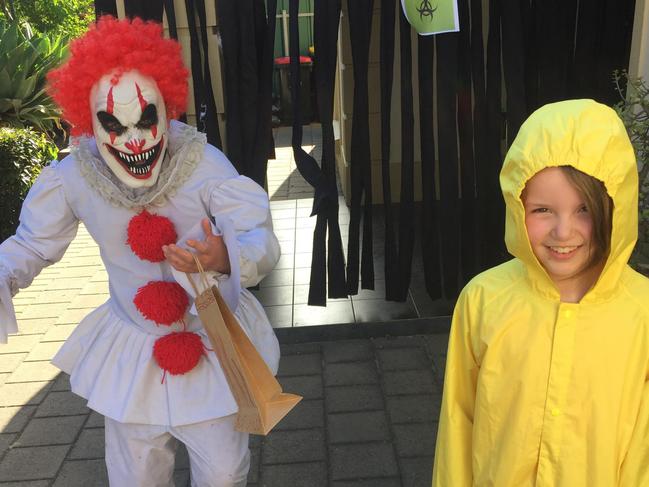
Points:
[[185, 150]]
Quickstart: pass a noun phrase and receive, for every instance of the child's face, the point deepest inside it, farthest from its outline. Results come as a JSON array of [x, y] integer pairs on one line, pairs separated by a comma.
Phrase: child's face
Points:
[[559, 226]]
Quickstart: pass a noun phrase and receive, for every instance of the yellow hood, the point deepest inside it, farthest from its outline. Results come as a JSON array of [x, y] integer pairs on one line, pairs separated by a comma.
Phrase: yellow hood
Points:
[[590, 137]]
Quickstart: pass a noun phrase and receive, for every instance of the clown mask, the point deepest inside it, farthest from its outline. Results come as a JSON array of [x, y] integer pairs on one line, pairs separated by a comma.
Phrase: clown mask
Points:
[[130, 126]]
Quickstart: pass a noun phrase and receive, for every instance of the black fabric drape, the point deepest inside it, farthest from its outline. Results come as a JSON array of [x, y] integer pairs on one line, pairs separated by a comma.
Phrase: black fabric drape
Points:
[[325, 201], [468, 245], [170, 13], [406, 205], [204, 103], [514, 67], [430, 204], [448, 159], [360, 26], [495, 210], [105, 7], [390, 264], [145, 9], [480, 140], [247, 71]]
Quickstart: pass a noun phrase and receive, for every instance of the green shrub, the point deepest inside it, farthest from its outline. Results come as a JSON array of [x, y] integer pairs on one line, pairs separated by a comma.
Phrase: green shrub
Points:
[[23, 153], [634, 112], [25, 59], [69, 18]]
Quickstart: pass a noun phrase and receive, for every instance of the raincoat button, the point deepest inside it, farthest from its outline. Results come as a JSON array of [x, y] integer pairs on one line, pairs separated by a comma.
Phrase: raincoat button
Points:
[[567, 314], [556, 411]]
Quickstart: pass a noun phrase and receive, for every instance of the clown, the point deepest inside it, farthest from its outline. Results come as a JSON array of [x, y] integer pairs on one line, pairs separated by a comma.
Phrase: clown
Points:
[[150, 191]]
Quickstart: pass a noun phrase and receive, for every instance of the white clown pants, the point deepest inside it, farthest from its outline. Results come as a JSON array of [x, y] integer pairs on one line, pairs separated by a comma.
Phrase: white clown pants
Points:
[[143, 455]]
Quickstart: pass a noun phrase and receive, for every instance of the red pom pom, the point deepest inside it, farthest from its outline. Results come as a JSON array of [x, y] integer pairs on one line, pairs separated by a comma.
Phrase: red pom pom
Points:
[[162, 302], [147, 234], [178, 353]]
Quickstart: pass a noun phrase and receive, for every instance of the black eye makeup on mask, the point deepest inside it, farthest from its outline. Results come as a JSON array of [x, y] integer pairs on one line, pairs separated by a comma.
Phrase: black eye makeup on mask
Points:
[[149, 117], [110, 123]]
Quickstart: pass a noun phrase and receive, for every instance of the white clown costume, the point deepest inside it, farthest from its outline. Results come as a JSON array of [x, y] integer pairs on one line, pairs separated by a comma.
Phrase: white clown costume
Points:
[[141, 183]]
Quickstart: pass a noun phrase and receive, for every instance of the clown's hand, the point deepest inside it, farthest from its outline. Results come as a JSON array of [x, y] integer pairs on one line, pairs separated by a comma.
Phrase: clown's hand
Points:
[[211, 252]]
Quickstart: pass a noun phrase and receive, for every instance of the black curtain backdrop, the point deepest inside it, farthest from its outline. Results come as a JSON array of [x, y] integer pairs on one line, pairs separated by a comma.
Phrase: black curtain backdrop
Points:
[[322, 177], [476, 87]]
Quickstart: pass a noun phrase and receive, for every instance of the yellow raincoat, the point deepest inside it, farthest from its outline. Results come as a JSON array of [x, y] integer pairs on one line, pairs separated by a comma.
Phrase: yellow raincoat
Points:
[[539, 392]]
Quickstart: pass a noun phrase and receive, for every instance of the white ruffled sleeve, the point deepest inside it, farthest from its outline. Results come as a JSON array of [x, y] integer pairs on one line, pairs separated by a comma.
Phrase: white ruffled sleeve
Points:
[[47, 226], [244, 204]]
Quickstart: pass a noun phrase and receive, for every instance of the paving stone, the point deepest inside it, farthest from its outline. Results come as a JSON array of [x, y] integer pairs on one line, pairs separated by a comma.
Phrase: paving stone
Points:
[[34, 326], [335, 312], [62, 382], [88, 301], [437, 344], [348, 350], [351, 373], [58, 333], [403, 359], [68, 283], [307, 386], [307, 414], [7, 440], [419, 408], [20, 343], [409, 382], [32, 463], [14, 419], [255, 465], [181, 478], [62, 404], [412, 440], [353, 398], [399, 342], [89, 445], [300, 364], [23, 394], [391, 482], [51, 431], [357, 427], [295, 475], [48, 296], [362, 461], [95, 288], [95, 420], [82, 473], [294, 348], [73, 316], [416, 472], [34, 372], [10, 361], [26, 483], [44, 351], [182, 457], [48, 310], [293, 446]]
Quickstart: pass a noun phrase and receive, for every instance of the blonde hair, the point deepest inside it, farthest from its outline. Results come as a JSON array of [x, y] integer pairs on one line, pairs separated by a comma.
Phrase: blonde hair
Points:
[[600, 206]]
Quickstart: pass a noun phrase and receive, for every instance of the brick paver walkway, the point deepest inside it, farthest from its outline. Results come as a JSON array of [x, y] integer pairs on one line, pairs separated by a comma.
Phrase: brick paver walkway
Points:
[[368, 417]]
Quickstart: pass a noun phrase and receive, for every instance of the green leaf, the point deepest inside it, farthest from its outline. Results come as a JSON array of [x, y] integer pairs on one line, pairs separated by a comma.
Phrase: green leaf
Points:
[[5, 84], [26, 88]]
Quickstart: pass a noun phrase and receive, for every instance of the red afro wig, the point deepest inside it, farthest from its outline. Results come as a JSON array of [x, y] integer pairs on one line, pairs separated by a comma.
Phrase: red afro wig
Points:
[[118, 46]]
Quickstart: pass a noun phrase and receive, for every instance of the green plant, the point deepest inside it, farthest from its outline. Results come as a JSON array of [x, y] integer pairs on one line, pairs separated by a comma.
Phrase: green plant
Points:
[[634, 112], [23, 153], [25, 59], [69, 18]]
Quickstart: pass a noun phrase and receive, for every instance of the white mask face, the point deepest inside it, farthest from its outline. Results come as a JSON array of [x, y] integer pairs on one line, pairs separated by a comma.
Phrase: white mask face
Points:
[[129, 121]]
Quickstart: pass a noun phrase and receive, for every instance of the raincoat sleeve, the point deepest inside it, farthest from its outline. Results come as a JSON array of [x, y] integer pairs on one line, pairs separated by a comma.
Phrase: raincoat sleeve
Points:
[[454, 438], [47, 226], [241, 204], [635, 468]]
